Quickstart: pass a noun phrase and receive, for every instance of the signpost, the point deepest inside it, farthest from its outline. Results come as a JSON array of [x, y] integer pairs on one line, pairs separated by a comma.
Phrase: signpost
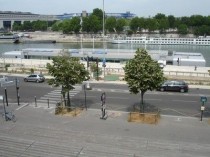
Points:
[[203, 99], [104, 65], [4, 82]]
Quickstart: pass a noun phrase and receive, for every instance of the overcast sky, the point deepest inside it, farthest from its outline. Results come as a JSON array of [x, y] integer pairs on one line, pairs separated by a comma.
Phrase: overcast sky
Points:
[[142, 8]]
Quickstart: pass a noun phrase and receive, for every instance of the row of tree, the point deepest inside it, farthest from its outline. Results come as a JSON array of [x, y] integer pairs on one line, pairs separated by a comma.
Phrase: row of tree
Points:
[[142, 73], [196, 24]]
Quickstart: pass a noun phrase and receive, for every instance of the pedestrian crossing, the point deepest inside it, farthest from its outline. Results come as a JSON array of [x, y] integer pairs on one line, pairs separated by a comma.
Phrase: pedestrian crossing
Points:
[[49, 100]]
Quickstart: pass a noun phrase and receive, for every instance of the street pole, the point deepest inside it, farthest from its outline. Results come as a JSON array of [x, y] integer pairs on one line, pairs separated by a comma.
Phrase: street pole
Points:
[[85, 96], [17, 88], [5, 91], [103, 19], [103, 37]]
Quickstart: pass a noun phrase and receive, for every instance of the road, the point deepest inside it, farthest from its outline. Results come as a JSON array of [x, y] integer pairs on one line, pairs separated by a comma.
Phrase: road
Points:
[[38, 132], [118, 97]]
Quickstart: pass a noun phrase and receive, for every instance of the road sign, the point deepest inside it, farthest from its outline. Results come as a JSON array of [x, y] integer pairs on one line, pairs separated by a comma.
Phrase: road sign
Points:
[[203, 99]]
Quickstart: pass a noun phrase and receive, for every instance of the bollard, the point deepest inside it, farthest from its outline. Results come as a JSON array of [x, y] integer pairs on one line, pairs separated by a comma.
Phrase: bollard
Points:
[[48, 102], [35, 101]]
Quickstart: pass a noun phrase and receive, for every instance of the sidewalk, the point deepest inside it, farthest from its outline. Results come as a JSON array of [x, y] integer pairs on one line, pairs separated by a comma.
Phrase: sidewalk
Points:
[[38, 132]]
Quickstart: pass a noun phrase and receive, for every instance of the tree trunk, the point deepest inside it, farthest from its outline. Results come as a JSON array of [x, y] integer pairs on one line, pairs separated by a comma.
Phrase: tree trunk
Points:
[[142, 102], [63, 95], [68, 101]]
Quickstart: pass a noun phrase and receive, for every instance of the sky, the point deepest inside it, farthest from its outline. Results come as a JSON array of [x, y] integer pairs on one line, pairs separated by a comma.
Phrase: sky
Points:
[[142, 8]]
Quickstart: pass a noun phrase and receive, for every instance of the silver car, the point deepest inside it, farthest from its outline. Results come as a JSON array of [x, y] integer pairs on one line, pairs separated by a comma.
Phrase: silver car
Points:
[[34, 78]]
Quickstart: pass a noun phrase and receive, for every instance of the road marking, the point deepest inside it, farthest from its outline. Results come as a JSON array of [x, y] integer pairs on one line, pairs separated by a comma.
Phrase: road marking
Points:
[[185, 101], [22, 106]]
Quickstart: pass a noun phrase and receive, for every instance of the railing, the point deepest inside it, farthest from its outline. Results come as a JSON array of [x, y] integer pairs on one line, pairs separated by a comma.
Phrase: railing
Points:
[[41, 64], [193, 74]]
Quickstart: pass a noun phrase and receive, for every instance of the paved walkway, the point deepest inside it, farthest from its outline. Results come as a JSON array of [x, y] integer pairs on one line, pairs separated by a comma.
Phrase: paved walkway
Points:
[[40, 133]]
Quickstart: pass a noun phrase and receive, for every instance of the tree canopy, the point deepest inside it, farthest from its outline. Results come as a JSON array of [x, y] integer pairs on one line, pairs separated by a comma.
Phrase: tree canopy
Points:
[[142, 73], [66, 72]]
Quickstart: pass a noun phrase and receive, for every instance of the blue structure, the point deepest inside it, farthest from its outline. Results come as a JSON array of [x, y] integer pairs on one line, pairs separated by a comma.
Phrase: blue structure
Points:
[[126, 15]]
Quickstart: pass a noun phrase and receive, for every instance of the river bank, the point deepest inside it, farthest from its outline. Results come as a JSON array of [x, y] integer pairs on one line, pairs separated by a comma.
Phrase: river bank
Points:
[[115, 71], [61, 38]]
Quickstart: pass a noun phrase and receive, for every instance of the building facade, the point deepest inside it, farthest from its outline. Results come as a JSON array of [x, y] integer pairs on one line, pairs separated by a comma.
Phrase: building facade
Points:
[[8, 18]]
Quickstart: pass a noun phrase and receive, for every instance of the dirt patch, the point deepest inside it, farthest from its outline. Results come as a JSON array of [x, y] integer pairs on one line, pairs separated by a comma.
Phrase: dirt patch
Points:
[[68, 112], [148, 118]]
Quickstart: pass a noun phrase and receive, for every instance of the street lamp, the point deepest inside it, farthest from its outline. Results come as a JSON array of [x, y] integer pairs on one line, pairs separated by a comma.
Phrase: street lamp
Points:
[[103, 19], [104, 64]]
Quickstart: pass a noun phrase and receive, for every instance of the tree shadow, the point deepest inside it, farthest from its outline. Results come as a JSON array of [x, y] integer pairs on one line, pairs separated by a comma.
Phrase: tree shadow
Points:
[[146, 108]]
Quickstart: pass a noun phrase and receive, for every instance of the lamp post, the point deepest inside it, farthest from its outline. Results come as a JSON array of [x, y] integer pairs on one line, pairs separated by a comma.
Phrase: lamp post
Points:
[[103, 19], [104, 65]]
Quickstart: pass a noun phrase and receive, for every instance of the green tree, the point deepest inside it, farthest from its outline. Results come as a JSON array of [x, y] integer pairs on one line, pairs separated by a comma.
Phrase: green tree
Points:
[[134, 24], [66, 72], [159, 16], [66, 26], [171, 21], [163, 25], [99, 13], [111, 24], [120, 25], [27, 25], [182, 29], [142, 24], [151, 24], [16, 26], [74, 24], [86, 24], [142, 73], [95, 25]]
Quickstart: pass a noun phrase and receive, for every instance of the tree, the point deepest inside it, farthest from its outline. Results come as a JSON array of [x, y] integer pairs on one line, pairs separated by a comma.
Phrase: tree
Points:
[[86, 24], [94, 22], [120, 25], [163, 25], [151, 24], [111, 24], [74, 24], [160, 16], [182, 29], [66, 72], [171, 21], [142, 73], [134, 24]]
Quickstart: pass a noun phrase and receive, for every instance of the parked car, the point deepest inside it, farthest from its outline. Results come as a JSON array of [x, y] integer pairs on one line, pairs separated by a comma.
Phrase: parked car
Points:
[[178, 86], [34, 78]]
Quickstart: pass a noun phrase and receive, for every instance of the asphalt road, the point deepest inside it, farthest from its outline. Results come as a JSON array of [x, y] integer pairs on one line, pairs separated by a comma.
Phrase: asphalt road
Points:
[[118, 98]]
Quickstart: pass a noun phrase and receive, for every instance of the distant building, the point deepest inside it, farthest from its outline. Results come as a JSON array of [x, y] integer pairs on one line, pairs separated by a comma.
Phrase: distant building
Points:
[[126, 15], [8, 18]]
